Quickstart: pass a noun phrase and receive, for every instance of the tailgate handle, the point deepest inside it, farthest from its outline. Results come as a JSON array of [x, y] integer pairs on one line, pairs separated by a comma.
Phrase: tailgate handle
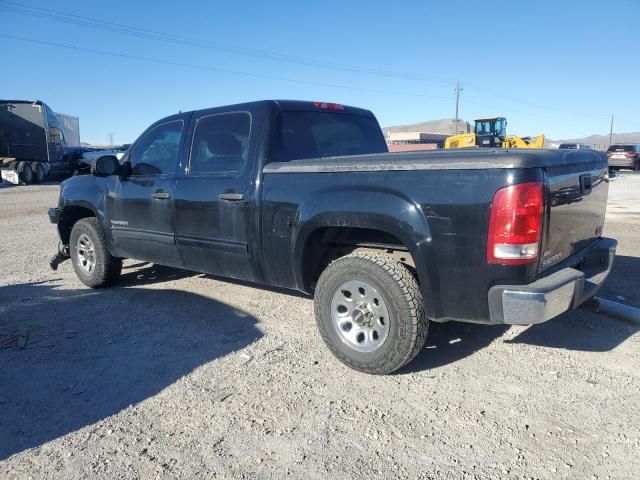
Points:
[[231, 196], [585, 184]]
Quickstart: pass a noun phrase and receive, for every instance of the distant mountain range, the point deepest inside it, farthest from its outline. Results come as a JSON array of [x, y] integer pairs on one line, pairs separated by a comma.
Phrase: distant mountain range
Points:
[[599, 141], [447, 126]]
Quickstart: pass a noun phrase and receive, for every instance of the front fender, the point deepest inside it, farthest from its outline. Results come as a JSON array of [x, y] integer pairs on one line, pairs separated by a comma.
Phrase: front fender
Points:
[[385, 210], [84, 191]]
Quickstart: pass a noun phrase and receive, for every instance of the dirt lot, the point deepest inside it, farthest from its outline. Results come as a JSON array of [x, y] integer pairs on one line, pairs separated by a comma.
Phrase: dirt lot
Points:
[[176, 375]]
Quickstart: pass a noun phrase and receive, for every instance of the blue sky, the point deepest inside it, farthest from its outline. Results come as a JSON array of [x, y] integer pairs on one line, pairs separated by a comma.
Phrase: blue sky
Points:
[[555, 67]]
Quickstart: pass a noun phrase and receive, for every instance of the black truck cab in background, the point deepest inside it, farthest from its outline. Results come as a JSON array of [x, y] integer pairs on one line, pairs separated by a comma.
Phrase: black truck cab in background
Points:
[[290, 194]]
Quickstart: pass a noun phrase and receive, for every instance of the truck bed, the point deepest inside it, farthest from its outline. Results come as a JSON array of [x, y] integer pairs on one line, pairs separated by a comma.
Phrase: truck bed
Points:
[[440, 201]]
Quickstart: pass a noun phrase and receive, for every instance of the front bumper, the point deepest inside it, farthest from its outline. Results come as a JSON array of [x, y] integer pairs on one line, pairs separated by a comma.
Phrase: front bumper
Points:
[[556, 293]]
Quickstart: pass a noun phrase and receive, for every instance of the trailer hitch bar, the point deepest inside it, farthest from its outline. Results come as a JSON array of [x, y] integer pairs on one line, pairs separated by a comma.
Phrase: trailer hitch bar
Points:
[[614, 309], [61, 256]]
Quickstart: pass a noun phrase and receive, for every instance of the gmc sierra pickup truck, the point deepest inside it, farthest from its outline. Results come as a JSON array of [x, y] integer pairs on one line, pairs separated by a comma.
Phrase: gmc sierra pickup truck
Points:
[[305, 196]]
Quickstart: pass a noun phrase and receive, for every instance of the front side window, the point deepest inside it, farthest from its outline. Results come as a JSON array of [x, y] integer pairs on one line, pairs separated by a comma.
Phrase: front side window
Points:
[[157, 152], [220, 143]]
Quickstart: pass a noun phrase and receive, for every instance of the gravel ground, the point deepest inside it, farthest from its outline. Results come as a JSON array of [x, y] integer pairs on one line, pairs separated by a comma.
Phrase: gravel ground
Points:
[[181, 375]]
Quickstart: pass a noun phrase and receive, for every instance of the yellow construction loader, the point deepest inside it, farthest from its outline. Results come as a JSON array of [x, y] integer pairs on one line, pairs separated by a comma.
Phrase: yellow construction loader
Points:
[[492, 132]]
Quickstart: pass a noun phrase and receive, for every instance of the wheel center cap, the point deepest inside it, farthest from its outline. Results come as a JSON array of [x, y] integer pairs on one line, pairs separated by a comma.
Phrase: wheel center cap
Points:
[[361, 316]]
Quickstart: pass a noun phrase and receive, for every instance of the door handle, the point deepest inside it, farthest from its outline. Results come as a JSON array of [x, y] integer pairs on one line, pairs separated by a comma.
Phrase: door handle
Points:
[[231, 196], [160, 195]]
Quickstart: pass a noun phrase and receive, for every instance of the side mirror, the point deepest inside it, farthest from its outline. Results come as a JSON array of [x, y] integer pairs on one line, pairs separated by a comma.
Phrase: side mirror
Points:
[[105, 166]]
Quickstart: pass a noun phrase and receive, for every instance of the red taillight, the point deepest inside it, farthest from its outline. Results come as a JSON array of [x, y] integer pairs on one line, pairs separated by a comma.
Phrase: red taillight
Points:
[[630, 154], [515, 224], [328, 106]]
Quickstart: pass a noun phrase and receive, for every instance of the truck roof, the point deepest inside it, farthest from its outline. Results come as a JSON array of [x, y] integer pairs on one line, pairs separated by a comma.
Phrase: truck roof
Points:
[[293, 105], [36, 102]]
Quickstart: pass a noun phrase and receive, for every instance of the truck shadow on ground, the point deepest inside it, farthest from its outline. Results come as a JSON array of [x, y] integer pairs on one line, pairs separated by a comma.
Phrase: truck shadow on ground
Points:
[[452, 341], [148, 274], [92, 353], [580, 330], [589, 331]]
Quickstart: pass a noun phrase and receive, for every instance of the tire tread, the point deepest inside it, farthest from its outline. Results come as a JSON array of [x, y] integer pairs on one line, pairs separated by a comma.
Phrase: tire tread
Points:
[[412, 296], [109, 269]]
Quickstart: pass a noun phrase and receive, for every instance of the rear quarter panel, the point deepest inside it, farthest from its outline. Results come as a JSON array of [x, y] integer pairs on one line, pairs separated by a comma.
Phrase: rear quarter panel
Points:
[[440, 215]]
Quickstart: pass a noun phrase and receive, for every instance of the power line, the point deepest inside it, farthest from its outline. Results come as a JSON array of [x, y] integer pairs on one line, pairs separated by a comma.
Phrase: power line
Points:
[[214, 69], [534, 105], [99, 24], [458, 89]]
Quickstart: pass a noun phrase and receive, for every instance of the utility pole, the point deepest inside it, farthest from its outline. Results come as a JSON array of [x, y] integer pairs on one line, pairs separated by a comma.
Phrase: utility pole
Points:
[[457, 90], [611, 131]]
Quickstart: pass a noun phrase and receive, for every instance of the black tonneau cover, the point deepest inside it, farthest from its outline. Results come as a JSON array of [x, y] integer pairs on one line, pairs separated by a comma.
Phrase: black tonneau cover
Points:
[[454, 159]]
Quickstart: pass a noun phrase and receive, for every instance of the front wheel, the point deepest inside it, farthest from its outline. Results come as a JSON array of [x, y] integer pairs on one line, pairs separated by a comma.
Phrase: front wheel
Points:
[[92, 262], [370, 312]]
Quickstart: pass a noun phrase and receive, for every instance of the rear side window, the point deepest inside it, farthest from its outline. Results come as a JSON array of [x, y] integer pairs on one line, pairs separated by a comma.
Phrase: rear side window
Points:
[[621, 148], [220, 143], [326, 134]]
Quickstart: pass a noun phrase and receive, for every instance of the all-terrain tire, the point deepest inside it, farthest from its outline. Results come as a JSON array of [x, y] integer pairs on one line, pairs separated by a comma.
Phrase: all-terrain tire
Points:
[[408, 324], [38, 172], [25, 173], [107, 268]]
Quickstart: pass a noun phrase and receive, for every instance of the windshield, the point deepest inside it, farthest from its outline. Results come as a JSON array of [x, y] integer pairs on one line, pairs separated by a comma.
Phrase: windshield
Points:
[[494, 126], [484, 127], [326, 134], [570, 146]]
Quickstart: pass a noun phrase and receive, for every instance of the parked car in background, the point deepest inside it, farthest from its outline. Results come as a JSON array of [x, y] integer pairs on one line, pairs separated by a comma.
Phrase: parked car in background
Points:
[[574, 146], [117, 152], [89, 155], [624, 156]]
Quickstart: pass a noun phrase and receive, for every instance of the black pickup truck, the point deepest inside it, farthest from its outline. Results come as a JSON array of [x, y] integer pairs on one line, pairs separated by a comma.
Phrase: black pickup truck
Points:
[[305, 196]]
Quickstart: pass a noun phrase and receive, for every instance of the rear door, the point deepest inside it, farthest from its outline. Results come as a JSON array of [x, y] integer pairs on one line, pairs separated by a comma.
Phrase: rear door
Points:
[[577, 201], [140, 206], [214, 196]]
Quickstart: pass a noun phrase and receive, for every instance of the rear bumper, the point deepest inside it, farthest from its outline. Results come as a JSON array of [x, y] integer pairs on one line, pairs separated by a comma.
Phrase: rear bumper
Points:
[[556, 293], [622, 162]]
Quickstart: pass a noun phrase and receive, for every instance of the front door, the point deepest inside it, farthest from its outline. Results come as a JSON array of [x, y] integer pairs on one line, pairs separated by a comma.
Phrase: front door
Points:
[[213, 197], [140, 206]]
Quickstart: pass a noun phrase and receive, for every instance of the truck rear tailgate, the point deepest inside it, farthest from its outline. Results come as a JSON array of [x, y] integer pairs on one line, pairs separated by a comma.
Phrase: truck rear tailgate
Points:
[[576, 204]]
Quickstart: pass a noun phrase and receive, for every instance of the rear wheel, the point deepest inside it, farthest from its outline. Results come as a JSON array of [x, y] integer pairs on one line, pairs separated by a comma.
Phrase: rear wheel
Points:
[[370, 312], [92, 262], [25, 173], [38, 172]]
